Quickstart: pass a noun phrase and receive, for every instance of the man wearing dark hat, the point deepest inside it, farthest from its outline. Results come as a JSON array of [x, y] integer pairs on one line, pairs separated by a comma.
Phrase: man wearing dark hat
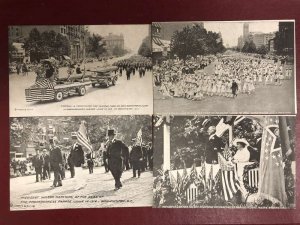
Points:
[[38, 165], [115, 154], [46, 165], [77, 159], [136, 158], [76, 154], [56, 161]]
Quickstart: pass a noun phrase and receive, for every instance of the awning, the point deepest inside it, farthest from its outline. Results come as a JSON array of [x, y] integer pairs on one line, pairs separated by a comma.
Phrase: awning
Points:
[[66, 57], [157, 41]]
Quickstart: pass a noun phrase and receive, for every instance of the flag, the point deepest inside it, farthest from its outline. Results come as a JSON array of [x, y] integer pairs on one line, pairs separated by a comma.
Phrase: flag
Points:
[[230, 183], [83, 137], [272, 185], [139, 139], [43, 83]]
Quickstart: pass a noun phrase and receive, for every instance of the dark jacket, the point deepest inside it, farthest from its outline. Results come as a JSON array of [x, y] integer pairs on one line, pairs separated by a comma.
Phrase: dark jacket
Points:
[[46, 160], [38, 161], [115, 154], [213, 147], [136, 153], [56, 158], [77, 155]]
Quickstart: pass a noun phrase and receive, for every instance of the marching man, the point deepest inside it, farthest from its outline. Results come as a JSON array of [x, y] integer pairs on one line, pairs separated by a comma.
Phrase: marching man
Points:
[[115, 154]]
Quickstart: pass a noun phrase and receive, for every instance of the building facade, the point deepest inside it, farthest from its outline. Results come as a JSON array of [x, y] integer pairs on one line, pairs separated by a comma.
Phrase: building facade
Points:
[[114, 41], [76, 35]]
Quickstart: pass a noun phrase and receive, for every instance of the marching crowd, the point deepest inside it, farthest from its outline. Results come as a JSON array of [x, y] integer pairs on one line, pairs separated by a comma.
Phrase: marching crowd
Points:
[[115, 157], [134, 64], [231, 75]]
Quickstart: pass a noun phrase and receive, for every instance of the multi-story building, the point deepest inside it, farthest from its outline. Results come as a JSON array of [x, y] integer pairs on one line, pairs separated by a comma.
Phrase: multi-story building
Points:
[[260, 39], [160, 47], [286, 36], [112, 41], [76, 34]]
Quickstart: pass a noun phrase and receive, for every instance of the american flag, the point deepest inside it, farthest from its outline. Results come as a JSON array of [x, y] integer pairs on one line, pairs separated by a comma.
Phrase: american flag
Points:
[[271, 172], [139, 138], [83, 137], [43, 83], [230, 183]]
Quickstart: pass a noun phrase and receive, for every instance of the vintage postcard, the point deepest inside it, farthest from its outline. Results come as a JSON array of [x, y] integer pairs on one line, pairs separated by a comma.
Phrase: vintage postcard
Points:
[[224, 161], [81, 162], [69, 70], [224, 67]]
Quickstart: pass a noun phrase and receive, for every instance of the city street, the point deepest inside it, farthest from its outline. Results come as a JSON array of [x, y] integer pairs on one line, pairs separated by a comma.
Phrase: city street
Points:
[[99, 192], [267, 99], [126, 97]]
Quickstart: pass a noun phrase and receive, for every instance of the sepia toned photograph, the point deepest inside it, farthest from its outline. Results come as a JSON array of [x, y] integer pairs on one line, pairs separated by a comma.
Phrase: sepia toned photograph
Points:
[[80, 162], [73, 70], [224, 67], [224, 161]]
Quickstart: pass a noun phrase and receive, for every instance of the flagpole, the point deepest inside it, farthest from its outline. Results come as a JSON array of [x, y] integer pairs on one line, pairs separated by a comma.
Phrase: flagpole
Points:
[[167, 159]]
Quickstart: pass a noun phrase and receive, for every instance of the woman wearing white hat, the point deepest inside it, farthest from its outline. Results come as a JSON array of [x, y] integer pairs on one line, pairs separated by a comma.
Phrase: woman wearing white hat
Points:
[[242, 154]]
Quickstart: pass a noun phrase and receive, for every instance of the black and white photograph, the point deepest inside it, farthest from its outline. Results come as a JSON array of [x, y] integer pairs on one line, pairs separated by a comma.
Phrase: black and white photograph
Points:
[[224, 161], [224, 67], [81, 162], [74, 70]]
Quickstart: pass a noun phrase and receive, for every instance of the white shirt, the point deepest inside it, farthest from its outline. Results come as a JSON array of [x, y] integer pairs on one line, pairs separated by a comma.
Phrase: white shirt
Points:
[[242, 155]]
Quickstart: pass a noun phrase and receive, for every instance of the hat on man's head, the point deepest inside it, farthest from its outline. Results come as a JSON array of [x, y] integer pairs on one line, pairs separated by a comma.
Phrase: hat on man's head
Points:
[[74, 135], [53, 139], [111, 132]]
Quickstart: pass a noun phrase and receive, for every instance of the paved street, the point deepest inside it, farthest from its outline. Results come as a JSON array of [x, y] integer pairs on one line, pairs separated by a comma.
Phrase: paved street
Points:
[[265, 100], [25, 194], [134, 97]]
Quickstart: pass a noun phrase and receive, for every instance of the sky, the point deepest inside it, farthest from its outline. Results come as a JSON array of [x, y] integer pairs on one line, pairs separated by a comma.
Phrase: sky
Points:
[[232, 30], [133, 34]]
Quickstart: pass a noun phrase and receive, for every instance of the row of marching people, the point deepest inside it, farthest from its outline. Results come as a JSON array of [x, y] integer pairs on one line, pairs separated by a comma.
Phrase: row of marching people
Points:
[[116, 156]]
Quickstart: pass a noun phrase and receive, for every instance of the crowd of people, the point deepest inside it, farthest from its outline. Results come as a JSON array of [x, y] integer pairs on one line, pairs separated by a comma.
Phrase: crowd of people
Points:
[[133, 65], [231, 75], [115, 156]]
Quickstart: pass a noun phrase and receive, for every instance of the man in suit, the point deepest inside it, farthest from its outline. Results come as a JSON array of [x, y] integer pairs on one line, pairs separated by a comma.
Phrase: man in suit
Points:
[[214, 146], [90, 162], [56, 161], [46, 165], [234, 89], [136, 158], [38, 162], [115, 153], [76, 154]]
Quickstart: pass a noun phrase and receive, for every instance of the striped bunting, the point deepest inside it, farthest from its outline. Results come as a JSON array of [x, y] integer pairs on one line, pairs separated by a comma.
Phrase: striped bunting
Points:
[[43, 83], [230, 183]]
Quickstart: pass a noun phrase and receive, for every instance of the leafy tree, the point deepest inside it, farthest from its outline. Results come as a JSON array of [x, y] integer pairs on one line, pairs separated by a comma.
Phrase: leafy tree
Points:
[[11, 50], [262, 50], [249, 47], [145, 48], [46, 44], [95, 46], [195, 41], [117, 51]]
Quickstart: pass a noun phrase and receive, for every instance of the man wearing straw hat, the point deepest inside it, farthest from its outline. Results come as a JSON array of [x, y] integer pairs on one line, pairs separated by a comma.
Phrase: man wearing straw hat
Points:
[[115, 154]]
